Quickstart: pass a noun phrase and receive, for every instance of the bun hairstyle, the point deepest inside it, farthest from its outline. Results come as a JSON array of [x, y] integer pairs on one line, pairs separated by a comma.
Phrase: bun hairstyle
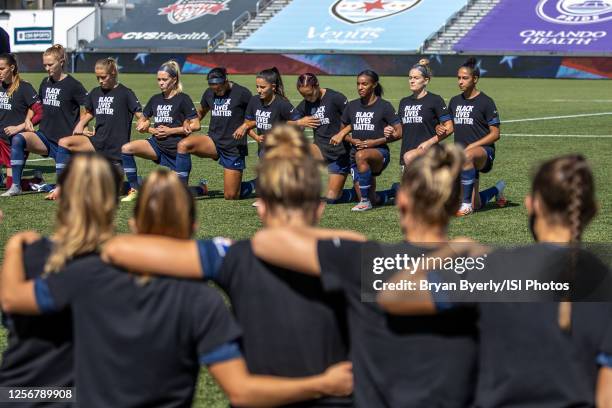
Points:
[[378, 90], [288, 177], [273, 76], [58, 52], [86, 208], [423, 67], [472, 65], [11, 60], [164, 206], [566, 187], [433, 182], [173, 69], [307, 80], [110, 66]]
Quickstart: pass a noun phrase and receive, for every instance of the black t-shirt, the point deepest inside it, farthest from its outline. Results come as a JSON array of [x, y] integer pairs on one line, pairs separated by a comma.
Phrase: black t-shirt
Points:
[[14, 108], [39, 350], [328, 110], [227, 115], [413, 361], [419, 119], [472, 117], [61, 101], [113, 110], [369, 122], [526, 359], [171, 113], [138, 344], [278, 111], [292, 328]]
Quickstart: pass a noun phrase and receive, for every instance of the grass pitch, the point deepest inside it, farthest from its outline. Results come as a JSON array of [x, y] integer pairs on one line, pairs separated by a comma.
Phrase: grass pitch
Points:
[[541, 118]]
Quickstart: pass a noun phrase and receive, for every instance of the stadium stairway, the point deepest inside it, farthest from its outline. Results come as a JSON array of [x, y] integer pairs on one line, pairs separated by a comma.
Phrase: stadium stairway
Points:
[[457, 26], [235, 38]]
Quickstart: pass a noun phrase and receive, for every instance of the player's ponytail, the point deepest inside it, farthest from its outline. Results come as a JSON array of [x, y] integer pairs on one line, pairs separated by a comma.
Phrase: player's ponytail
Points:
[[164, 206], [378, 89], [109, 65], [433, 183], [11, 61], [472, 65], [86, 208], [566, 188], [288, 178], [173, 69], [273, 76], [58, 52], [423, 67]]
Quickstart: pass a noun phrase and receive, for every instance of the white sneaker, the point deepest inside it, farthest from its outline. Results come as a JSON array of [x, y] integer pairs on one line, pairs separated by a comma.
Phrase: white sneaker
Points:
[[13, 191], [363, 205], [466, 209], [256, 203]]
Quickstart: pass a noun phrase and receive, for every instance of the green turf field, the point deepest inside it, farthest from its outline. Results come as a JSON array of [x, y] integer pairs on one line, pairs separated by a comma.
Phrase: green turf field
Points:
[[524, 143]]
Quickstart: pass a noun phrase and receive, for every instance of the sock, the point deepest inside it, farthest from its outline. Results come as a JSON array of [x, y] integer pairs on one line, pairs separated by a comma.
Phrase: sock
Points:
[[183, 166], [468, 178], [61, 158], [487, 195], [385, 195], [18, 146], [247, 188], [131, 172], [348, 195], [365, 179]]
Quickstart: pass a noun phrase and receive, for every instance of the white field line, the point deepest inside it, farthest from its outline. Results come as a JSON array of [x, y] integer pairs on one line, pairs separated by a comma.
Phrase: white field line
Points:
[[582, 115]]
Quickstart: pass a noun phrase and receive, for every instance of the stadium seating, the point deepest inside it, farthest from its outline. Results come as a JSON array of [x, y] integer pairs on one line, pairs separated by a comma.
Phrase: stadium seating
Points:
[[352, 25]]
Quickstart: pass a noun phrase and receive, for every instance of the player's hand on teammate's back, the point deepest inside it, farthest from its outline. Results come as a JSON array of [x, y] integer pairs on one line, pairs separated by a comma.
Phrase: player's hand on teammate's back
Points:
[[339, 379]]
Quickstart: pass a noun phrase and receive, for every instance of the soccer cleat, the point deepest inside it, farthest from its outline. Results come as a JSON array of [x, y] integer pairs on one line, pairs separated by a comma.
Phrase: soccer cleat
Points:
[[363, 205], [131, 196], [466, 209], [500, 199], [13, 191], [256, 203]]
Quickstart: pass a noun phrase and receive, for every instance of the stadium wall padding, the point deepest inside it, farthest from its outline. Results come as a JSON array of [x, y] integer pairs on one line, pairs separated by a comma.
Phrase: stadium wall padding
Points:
[[505, 66]]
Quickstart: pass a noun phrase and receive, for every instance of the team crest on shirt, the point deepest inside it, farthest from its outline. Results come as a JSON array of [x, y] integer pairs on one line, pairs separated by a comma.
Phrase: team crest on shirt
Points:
[[575, 11], [360, 11], [186, 10]]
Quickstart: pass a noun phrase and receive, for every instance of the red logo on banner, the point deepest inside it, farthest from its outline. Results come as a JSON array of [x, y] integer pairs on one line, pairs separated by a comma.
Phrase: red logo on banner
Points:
[[114, 35], [187, 10], [360, 11]]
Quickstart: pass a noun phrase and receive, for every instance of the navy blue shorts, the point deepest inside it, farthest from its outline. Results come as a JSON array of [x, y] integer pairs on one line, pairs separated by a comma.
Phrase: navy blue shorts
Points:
[[490, 159], [51, 146], [342, 165], [386, 154], [162, 158], [231, 162]]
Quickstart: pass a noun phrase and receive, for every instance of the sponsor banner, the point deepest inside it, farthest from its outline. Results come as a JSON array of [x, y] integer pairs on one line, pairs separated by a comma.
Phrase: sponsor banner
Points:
[[33, 35], [186, 24], [359, 25], [341, 64], [563, 26]]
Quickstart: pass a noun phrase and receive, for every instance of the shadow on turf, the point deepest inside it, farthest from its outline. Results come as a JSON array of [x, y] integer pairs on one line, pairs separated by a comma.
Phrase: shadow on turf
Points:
[[493, 206]]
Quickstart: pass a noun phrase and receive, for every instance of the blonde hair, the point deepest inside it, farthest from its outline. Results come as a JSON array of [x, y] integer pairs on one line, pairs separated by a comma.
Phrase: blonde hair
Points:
[[86, 208], [11, 60], [433, 183], [173, 69], [288, 177], [110, 66], [164, 206], [58, 52]]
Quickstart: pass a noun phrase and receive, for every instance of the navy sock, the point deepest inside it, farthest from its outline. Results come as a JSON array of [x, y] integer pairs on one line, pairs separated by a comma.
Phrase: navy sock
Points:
[[487, 195], [247, 188], [183, 166], [131, 172], [348, 195], [385, 195], [61, 158], [365, 179], [18, 147], [468, 177]]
